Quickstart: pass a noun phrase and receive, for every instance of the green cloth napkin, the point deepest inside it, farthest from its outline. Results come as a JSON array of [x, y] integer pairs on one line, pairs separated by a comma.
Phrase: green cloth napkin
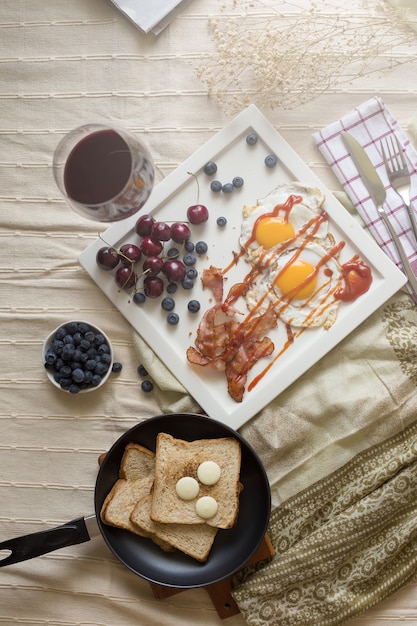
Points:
[[341, 545]]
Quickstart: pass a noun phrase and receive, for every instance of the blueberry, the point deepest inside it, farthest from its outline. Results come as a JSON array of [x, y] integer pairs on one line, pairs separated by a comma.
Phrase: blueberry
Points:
[[77, 338], [238, 182], [201, 247], [68, 339], [91, 364], [271, 160], [99, 339], [139, 297], [189, 246], [187, 283], [60, 333], [173, 319], [227, 188], [78, 375], [51, 357], [173, 253], [103, 349], [251, 139], [85, 345], [106, 358], [117, 367], [68, 352], [216, 186], [193, 306], [65, 383], [96, 380], [221, 221], [192, 273], [210, 168], [65, 371], [74, 388], [189, 258], [57, 345], [101, 369], [142, 371], [83, 328], [168, 304], [72, 328], [147, 386], [88, 377], [172, 288]]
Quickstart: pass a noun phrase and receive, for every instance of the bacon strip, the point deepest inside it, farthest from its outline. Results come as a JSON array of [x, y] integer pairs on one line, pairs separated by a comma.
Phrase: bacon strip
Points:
[[226, 344], [212, 278]]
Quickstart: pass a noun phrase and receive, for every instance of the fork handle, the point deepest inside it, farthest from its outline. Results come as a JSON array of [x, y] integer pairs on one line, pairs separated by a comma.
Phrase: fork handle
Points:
[[399, 246], [412, 218]]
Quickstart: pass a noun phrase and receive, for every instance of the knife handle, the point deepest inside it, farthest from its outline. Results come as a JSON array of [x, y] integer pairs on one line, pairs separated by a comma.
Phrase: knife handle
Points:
[[401, 252]]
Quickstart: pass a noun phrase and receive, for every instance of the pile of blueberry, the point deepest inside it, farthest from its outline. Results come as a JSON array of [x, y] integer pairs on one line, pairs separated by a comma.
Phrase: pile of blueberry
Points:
[[78, 357]]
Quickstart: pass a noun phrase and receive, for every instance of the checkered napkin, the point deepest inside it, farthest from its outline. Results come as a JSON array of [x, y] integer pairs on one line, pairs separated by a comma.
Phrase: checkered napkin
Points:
[[369, 123]]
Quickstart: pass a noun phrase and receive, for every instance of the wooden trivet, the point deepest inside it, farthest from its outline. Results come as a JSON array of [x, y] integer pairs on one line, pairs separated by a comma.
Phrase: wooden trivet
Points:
[[220, 593]]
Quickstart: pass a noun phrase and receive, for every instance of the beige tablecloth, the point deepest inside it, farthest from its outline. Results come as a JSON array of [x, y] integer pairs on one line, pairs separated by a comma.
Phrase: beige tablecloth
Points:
[[66, 63]]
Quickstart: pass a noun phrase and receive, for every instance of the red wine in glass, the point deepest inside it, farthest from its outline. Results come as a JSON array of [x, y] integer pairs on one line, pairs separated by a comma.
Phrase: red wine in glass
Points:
[[105, 174]]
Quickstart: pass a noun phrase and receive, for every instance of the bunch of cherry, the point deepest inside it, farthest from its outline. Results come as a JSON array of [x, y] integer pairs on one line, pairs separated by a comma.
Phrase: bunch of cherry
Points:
[[157, 263]]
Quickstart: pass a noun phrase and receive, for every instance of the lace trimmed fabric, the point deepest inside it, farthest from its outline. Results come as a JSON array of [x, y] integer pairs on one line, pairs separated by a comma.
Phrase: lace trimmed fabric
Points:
[[343, 544]]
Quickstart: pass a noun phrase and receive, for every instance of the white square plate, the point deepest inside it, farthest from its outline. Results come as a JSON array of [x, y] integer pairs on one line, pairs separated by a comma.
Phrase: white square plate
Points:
[[169, 202]]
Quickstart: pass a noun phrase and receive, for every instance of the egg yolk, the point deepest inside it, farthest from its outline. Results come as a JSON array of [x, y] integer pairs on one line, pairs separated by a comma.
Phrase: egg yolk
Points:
[[271, 231], [297, 281]]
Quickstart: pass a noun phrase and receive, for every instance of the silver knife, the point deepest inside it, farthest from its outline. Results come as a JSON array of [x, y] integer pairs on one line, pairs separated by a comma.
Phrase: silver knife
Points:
[[376, 189]]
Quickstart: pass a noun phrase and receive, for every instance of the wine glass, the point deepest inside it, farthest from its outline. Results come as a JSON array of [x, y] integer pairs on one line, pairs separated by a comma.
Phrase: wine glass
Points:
[[105, 173]]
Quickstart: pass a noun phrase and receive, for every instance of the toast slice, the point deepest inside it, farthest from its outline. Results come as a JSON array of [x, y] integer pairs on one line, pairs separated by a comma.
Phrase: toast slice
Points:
[[176, 458], [136, 476], [196, 540]]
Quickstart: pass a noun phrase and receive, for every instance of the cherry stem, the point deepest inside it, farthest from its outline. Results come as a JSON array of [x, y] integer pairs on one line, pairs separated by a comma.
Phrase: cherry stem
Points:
[[198, 185], [132, 263]]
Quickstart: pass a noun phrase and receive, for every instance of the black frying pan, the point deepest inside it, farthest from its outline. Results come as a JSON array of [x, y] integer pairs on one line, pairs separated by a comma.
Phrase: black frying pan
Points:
[[232, 548]]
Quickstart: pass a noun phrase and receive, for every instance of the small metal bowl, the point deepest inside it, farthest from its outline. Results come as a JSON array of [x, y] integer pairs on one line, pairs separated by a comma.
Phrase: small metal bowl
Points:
[[86, 377]]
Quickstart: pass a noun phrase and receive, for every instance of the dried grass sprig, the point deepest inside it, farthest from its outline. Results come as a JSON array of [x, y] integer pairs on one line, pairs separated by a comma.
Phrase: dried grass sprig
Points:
[[282, 54]]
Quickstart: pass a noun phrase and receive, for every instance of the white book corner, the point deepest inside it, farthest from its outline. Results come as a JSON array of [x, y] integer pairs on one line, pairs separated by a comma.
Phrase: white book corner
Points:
[[151, 15]]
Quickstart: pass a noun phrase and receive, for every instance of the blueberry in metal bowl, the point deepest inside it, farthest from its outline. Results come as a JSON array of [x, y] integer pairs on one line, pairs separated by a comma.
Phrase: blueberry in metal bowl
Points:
[[77, 356]]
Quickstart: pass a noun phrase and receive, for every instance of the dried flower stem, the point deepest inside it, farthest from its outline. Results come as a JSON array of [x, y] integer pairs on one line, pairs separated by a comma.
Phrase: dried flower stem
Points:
[[282, 54]]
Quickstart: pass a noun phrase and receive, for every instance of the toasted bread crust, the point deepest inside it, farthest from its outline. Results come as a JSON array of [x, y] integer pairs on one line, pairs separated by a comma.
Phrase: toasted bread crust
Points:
[[196, 540]]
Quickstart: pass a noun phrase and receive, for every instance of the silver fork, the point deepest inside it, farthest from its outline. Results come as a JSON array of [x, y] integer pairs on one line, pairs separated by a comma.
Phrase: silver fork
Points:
[[398, 174]]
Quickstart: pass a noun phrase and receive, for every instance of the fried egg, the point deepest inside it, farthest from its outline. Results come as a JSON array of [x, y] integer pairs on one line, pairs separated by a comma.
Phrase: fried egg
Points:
[[300, 285], [283, 215]]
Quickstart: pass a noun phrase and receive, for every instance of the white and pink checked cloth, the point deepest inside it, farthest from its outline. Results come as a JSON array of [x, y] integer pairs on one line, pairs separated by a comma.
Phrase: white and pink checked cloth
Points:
[[369, 123]]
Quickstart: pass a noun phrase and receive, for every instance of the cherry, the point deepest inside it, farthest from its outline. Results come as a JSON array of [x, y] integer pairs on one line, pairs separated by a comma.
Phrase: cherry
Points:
[[180, 232], [153, 265], [107, 258], [153, 286], [144, 225], [174, 270], [151, 246], [129, 253], [197, 214], [126, 278], [161, 231]]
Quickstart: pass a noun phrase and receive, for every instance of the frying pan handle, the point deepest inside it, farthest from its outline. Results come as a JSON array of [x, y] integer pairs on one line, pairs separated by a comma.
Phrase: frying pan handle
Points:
[[35, 544]]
